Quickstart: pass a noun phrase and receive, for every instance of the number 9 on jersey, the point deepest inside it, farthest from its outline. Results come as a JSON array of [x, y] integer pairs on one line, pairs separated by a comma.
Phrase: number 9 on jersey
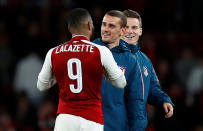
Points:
[[77, 76]]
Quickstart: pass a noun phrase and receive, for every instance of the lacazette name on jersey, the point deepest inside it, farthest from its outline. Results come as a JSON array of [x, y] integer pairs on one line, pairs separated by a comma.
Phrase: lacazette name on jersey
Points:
[[75, 48]]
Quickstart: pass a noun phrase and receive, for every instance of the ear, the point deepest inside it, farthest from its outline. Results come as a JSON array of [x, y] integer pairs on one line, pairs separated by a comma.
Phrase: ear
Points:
[[123, 31], [69, 30], [140, 31], [89, 25]]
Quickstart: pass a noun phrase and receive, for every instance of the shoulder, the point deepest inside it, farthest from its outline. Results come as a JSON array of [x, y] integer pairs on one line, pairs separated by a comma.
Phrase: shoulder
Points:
[[91, 43], [144, 59], [100, 47], [51, 50], [97, 41], [144, 56]]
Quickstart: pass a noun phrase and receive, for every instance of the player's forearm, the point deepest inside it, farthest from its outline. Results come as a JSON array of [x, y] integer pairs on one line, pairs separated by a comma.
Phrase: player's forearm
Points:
[[119, 82], [42, 85]]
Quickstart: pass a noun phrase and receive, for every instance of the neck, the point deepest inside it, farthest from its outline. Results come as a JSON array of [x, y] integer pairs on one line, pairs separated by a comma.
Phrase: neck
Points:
[[113, 44], [129, 43], [82, 31], [81, 34], [73, 35], [133, 43]]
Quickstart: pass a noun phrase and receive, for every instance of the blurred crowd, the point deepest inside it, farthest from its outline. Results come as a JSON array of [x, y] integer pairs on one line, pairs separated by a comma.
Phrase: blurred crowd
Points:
[[172, 39]]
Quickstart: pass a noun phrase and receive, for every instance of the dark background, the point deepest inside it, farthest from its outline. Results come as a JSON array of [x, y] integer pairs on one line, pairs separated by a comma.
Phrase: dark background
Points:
[[172, 39]]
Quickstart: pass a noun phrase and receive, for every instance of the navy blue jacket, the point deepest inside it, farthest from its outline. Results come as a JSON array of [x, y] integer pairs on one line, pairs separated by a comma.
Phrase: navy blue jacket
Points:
[[150, 92], [113, 100], [125, 109]]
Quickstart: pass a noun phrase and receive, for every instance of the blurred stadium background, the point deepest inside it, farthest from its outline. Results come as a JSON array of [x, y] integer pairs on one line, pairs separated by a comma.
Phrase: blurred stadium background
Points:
[[172, 38]]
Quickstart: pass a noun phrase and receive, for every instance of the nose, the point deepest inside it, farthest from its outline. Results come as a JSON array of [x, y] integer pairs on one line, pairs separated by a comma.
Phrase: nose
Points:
[[129, 30], [105, 28]]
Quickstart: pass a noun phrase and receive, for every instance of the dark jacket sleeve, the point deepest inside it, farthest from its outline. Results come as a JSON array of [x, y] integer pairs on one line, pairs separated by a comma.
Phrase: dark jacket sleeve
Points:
[[136, 110], [156, 95]]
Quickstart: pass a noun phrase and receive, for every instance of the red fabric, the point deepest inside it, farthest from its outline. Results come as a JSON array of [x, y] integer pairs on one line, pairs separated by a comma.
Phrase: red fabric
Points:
[[87, 102]]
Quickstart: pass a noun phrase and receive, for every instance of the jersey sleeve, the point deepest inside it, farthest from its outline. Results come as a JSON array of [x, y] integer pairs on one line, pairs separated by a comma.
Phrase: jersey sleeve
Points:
[[111, 70], [46, 77]]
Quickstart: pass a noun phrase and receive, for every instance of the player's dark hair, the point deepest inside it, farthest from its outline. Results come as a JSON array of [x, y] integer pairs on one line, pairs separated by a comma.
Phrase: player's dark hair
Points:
[[133, 14], [117, 13], [77, 17]]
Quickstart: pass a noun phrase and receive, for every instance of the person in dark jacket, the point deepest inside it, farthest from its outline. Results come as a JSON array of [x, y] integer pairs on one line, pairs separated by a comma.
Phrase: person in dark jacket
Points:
[[150, 90], [113, 99]]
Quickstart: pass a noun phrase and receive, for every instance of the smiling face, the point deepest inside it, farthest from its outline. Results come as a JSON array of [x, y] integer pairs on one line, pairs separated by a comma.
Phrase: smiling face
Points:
[[111, 29], [133, 31]]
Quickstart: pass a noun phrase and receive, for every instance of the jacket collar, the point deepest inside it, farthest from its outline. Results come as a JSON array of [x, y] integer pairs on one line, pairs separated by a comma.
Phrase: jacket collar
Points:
[[134, 48], [122, 47]]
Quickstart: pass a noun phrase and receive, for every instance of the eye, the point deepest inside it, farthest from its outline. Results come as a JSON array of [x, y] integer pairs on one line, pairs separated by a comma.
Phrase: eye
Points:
[[103, 24], [135, 27], [112, 26]]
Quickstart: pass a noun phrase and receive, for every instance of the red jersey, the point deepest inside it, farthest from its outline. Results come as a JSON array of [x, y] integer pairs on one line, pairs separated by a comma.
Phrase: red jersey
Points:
[[78, 71]]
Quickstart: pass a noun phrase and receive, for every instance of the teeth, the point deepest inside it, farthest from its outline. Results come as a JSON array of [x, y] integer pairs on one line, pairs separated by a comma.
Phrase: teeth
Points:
[[106, 34], [129, 36]]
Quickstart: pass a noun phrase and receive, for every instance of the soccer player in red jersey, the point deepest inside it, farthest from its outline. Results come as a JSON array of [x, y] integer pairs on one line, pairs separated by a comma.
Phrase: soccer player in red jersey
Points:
[[78, 66]]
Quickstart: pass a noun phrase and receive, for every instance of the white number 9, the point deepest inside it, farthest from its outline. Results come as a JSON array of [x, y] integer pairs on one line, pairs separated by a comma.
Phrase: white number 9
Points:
[[77, 76]]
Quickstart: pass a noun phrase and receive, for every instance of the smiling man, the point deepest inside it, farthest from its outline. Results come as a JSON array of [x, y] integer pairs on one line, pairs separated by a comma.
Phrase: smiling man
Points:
[[113, 99], [151, 92], [111, 29]]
